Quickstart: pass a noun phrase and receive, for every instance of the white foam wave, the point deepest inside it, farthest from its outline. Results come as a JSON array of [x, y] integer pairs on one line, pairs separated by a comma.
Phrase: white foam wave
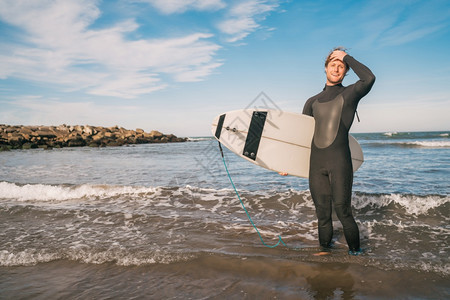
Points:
[[429, 144], [206, 199], [42, 192], [25, 258], [390, 133], [413, 204], [121, 257], [198, 139], [443, 268]]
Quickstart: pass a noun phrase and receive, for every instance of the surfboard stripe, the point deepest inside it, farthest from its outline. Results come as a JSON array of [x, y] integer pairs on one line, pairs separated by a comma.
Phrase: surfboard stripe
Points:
[[219, 126], [254, 134]]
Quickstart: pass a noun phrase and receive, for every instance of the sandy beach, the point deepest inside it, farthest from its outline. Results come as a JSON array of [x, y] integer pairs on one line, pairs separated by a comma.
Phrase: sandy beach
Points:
[[216, 277]]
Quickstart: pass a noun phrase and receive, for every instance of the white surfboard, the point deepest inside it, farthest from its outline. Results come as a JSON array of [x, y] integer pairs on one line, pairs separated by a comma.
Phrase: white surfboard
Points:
[[276, 140]]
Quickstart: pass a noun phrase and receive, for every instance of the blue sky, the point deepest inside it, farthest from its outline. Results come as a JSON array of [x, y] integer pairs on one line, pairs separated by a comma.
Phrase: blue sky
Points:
[[173, 65]]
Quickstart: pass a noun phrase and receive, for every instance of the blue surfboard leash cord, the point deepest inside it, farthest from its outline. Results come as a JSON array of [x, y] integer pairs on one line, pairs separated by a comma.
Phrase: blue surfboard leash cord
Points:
[[280, 240]]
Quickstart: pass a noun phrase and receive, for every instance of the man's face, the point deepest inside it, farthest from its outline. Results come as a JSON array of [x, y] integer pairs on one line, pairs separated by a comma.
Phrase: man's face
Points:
[[335, 72]]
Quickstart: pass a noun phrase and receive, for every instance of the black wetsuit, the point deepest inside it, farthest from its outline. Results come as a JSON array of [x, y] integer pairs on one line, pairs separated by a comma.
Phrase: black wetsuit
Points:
[[331, 171]]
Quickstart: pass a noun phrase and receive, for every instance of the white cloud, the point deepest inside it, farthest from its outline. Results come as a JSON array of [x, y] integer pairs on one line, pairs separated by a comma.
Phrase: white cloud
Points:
[[58, 46], [407, 33], [57, 42], [180, 6], [243, 18], [39, 111], [406, 22], [128, 86]]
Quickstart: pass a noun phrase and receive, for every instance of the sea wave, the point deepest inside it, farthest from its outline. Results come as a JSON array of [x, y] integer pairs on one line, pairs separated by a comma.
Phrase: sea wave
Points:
[[136, 225], [432, 144], [390, 133], [416, 135], [200, 138], [265, 200], [118, 256], [426, 144], [44, 192], [412, 204], [395, 135]]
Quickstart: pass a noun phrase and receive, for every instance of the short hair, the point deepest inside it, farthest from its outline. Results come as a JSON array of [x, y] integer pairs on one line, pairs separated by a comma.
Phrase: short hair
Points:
[[328, 59]]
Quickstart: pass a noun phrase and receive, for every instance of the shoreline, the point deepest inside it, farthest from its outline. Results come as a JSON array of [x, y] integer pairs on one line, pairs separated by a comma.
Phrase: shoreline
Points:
[[212, 275], [48, 137]]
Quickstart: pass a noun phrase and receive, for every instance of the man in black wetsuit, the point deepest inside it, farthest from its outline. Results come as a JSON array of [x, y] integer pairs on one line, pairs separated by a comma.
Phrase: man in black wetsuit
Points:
[[331, 171]]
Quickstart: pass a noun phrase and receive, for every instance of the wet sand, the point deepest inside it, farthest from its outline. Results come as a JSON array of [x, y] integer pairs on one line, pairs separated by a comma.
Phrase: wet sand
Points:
[[218, 277]]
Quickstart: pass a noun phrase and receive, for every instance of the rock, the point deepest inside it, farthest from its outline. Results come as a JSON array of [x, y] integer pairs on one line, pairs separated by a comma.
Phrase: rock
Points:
[[3, 139], [77, 142], [26, 131], [94, 144], [62, 127], [87, 130], [44, 133], [15, 139], [98, 136], [78, 128], [115, 143], [47, 137], [29, 146], [155, 133], [10, 129]]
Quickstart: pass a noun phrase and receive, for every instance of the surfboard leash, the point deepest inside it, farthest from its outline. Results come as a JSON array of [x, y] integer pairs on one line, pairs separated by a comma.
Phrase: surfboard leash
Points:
[[280, 240]]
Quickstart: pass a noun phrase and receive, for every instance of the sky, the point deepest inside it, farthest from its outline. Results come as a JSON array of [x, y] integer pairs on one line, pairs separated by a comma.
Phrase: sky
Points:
[[174, 65]]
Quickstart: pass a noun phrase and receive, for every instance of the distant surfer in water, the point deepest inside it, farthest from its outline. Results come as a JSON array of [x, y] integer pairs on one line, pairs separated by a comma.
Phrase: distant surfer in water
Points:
[[331, 172]]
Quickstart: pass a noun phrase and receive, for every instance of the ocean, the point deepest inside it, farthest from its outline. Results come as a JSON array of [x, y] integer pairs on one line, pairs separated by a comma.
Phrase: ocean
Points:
[[162, 221]]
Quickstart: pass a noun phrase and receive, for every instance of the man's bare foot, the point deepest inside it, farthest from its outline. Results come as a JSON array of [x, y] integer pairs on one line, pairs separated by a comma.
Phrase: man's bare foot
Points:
[[322, 253]]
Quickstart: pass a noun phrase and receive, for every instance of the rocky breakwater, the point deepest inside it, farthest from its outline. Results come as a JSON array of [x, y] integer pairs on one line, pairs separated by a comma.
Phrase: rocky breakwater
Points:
[[47, 137]]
